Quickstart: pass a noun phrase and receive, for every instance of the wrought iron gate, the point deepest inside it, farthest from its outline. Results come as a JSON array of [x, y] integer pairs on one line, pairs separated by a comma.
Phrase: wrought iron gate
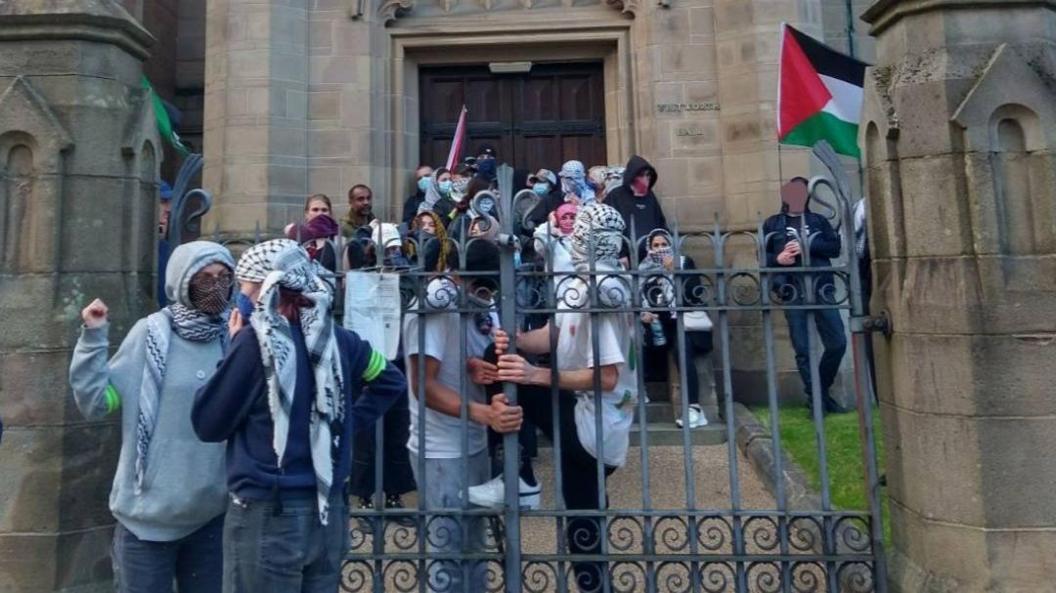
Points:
[[642, 546]]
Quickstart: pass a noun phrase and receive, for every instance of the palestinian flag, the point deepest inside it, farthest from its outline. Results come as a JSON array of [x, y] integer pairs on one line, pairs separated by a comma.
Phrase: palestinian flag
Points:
[[819, 94]]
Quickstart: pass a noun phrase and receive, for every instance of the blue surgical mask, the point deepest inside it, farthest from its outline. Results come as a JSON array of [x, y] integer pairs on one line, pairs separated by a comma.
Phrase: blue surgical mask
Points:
[[541, 189], [423, 183], [245, 305], [445, 188]]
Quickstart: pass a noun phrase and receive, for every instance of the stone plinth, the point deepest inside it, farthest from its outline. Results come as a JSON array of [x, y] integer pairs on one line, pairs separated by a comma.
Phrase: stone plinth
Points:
[[78, 163], [958, 134]]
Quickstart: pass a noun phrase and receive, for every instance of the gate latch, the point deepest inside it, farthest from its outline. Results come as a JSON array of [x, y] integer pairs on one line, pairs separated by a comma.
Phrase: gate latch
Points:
[[875, 323]]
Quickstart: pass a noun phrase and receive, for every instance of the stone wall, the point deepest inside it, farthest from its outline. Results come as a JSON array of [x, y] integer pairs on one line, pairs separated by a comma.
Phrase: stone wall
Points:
[[79, 160], [959, 134]]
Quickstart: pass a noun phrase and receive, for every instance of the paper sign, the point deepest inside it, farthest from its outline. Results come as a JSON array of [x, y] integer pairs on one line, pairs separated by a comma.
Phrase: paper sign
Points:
[[372, 309]]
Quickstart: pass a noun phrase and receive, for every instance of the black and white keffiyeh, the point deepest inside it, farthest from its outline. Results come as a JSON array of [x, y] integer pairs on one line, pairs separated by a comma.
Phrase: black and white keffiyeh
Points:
[[282, 263], [188, 323], [597, 233]]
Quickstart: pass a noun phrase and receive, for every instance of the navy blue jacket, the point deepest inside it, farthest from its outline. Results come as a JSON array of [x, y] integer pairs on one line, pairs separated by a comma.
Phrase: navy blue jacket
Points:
[[233, 406], [778, 230]]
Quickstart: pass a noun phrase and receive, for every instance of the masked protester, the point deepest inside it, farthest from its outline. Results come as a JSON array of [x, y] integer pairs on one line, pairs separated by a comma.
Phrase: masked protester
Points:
[[596, 242], [169, 492], [636, 202], [574, 183], [285, 400], [789, 234], [554, 241], [317, 232], [422, 179], [659, 283]]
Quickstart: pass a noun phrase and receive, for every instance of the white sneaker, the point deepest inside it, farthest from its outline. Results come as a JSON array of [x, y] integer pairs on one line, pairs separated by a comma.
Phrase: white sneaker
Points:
[[492, 494], [696, 417]]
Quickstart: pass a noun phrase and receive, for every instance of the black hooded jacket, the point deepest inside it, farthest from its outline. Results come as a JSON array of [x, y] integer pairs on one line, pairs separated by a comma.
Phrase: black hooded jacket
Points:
[[644, 211], [824, 242]]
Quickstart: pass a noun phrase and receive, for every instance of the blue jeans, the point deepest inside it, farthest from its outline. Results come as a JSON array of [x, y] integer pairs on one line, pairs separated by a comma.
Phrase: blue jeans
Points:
[[830, 330], [443, 484], [273, 549], [195, 562]]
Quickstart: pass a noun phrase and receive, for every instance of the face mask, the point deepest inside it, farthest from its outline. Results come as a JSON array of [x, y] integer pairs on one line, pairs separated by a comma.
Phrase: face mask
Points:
[[640, 186], [658, 254], [423, 184], [445, 188], [541, 189], [210, 296], [244, 304]]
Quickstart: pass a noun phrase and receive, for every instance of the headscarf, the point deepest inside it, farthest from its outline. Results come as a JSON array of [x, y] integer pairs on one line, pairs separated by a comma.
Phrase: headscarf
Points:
[[436, 244], [560, 212], [613, 178], [659, 286], [320, 227], [277, 264], [432, 193], [574, 181], [598, 231], [188, 322], [491, 233]]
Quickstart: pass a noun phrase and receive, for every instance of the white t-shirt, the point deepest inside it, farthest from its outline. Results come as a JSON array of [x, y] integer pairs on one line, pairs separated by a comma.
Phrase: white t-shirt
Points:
[[616, 346], [442, 341]]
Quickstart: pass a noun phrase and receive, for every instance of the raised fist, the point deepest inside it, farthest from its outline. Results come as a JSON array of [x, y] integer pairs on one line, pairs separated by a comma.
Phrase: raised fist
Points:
[[95, 314]]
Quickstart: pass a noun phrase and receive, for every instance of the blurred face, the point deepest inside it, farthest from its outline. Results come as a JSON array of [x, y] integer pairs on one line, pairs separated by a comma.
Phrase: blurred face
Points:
[[163, 218], [794, 193], [360, 200], [315, 208], [427, 225]]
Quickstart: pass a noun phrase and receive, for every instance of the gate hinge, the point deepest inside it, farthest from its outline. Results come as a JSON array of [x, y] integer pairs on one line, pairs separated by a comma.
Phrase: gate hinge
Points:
[[875, 323]]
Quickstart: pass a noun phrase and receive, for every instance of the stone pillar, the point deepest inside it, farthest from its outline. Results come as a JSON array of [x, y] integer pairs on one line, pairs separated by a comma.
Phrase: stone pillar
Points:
[[78, 163], [256, 113], [958, 132]]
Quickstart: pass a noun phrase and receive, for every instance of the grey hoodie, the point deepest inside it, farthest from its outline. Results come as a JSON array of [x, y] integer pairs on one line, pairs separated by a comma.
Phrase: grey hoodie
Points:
[[185, 485]]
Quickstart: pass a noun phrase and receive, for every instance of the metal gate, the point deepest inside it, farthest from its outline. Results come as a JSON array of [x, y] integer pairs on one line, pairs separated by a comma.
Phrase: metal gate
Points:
[[723, 545]]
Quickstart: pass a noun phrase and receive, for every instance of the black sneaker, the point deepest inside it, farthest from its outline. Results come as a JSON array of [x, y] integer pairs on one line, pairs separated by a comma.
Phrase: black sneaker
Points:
[[365, 525], [393, 502]]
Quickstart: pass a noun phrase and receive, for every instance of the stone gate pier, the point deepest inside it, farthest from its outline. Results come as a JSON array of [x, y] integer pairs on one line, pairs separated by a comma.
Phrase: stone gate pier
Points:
[[78, 162], [958, 135]]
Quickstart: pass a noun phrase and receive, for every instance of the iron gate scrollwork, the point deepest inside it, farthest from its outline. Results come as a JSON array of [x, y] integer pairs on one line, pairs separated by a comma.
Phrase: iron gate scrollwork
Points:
[[645, 546]]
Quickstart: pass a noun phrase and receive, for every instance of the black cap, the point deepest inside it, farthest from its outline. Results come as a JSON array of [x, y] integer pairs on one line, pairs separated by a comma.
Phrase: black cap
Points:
[[487, 149]]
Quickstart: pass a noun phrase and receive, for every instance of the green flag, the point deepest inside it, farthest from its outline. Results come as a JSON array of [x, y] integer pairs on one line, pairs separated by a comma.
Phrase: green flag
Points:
[[161, 116]]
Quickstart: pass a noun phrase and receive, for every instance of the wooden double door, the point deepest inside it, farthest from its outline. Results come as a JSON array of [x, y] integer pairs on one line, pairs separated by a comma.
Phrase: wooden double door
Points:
[[537, 119]]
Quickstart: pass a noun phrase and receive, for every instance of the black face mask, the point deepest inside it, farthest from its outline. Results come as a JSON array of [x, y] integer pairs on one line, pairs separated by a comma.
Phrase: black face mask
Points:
[[210, 295]]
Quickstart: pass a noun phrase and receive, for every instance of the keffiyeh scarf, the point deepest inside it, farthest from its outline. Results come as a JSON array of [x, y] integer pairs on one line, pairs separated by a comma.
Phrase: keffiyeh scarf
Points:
[[281, 263], [597, 233], [574, 181]]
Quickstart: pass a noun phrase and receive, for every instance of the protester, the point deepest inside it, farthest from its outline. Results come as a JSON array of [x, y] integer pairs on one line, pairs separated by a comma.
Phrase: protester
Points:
[[397, 477], [660, 287], [427, 244], [544, 184], [422, 179], [285, 398], [433, 337], [462, 217], [554, 241], [317, 232], [360, 200], [596, 241], [168, 493], [787, 235], [574, 184], [613, 179], [596, 179], [164, 248], [636, 202]]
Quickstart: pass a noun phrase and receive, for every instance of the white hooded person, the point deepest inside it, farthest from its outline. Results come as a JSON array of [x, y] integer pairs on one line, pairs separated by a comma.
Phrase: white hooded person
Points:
[[169, 492]]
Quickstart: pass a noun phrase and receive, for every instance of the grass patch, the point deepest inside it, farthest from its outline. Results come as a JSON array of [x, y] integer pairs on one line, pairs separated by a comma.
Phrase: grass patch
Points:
[[843, 449]]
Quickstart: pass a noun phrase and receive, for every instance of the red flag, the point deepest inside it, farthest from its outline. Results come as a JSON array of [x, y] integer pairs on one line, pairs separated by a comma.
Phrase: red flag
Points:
[[459, 141]]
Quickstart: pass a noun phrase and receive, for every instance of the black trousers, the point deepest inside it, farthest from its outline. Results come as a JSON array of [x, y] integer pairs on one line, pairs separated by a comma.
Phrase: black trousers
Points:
[[580, 487], [397, 478]]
